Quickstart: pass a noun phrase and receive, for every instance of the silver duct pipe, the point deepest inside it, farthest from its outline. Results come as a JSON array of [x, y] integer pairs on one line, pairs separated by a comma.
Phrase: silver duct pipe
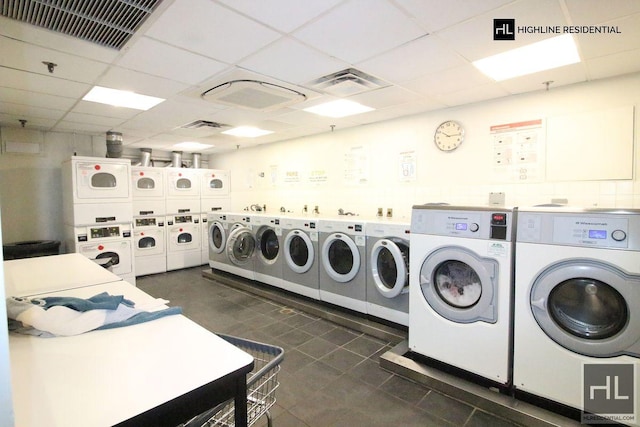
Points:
[[145, 157], [176, 159], [197, 158], [114, 144]]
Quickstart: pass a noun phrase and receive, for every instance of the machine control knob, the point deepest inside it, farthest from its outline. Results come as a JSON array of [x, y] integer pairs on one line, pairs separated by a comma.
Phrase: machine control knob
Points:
[[473, 227], [618, 235]]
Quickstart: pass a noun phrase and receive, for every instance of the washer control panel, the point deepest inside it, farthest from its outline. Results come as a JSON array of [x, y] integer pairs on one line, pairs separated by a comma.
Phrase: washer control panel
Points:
[[486, 224]]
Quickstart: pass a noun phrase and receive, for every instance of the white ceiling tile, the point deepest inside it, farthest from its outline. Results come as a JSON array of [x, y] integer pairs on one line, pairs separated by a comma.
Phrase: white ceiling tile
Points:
[[17, 96], [595, 45], [31, 111], [454, 79], [415, 59], [562, 76], [88, 128], [475, 94], [108, 122], [593, 12], [291, 61], [386, 97], [283, 15], [212, 30], [612, 65], [360, 29], [40, 83], [144, 84], [436, 14], [13, 120], [150, 56]]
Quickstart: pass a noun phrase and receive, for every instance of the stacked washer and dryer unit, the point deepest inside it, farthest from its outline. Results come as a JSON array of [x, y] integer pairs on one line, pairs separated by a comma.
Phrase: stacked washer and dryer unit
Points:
[[577, 309], [97, 212]]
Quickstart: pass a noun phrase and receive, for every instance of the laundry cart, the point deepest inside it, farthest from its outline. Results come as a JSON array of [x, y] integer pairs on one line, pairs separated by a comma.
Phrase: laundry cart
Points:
[[262, 383]]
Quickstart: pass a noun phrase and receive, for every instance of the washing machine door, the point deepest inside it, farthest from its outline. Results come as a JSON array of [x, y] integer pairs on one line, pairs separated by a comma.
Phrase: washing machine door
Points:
[[299, 252], [390, 266], [589, 307], [268, 244], [217, 237], [241, 246], [460, 285], [340, 257]]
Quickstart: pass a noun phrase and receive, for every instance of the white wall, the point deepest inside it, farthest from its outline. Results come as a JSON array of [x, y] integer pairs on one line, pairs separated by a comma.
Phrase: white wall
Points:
[[262, 174]]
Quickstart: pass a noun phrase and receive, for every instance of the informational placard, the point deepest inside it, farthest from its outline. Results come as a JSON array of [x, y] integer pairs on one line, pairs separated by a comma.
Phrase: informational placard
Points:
[[518, 151], [356, 166], [407, 166], [318, 176]]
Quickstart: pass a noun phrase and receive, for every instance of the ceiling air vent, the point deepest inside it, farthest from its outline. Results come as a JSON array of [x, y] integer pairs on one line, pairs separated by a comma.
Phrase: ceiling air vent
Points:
[[348, 82], [253, 94], [199, 124], [109, 23]]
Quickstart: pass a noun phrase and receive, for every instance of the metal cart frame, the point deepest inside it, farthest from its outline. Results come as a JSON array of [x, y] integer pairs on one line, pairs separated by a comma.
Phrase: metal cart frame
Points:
[[262, 383]]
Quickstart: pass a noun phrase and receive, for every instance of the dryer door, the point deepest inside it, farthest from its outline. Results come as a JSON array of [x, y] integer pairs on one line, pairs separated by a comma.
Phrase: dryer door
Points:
[[390, 267], [299, 251], [268, 244], [589, 307], [461, 286], [340, 257], [217, 237], [102, 180], [241, 246]]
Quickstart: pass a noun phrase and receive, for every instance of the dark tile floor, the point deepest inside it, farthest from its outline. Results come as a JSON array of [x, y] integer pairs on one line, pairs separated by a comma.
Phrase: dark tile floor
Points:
[[330, 375]]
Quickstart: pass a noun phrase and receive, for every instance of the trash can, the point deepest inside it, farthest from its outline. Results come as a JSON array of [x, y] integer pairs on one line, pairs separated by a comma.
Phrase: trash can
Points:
[[30, 249]]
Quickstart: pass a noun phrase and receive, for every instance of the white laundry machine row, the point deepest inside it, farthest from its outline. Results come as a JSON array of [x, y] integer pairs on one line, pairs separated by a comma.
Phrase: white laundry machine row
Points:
[[343, 263], [300, 266], [109, 245], [577, 309], [183, 240], [461, 281], [388, 270], [149, 245]]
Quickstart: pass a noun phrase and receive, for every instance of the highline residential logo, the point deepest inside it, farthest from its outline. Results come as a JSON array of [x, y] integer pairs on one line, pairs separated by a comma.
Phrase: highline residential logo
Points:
[[506, 29], [608, 393]]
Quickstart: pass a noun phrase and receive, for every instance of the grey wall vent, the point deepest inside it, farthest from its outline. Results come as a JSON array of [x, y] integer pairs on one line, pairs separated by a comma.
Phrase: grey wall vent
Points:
[[109, 23], [348, 82], [253, 94]]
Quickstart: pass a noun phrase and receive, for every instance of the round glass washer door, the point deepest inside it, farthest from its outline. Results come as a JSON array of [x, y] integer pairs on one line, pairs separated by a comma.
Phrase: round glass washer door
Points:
[[241, 246], [588, 307], [269, 245], [217, 237], [460, 286], [389, 267], [340, 257], [299, 252]]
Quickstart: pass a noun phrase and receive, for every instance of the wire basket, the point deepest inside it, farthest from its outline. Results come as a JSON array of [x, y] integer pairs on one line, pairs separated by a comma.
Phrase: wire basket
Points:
[[262, 383]]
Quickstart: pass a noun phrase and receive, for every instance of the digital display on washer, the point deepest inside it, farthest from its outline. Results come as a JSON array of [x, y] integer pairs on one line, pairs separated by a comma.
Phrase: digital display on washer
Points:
[[141, 222], [461, 226], [97, 233], [597, 234], [183, 219]]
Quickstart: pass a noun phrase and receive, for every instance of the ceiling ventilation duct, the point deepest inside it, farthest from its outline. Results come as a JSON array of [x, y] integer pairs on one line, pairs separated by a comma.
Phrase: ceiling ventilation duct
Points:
[[348, 82], [145, 157], [253, 94], [107, 23], [197, 160], [176, 159]]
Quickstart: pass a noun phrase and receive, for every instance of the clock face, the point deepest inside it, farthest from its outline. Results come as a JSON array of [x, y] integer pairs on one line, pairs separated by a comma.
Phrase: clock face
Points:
[[449, 135]]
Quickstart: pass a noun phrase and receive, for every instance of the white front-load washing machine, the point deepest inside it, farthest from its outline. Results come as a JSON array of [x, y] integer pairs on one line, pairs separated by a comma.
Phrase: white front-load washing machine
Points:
[[300, 269], [388, 270], [577, 305], [343, 263], [460, 285], [267, 265], [183, 241], [149, 245]]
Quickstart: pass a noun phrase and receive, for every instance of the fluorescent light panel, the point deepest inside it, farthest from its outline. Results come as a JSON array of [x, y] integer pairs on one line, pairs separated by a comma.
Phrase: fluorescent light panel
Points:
[[247, 132], [543, 55], [121, 98], [191, 146], [339, 108]]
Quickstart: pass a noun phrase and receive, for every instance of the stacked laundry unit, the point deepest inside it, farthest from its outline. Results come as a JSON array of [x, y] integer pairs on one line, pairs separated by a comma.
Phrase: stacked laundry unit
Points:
[[214, 197], [97, 212], [149, 210], [183, 216]]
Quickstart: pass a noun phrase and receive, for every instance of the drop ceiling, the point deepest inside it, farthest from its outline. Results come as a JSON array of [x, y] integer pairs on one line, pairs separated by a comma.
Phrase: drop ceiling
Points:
[[419, 53]]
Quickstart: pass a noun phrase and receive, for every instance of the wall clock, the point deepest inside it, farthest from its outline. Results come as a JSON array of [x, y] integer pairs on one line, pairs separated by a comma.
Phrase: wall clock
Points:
[[449, 135]]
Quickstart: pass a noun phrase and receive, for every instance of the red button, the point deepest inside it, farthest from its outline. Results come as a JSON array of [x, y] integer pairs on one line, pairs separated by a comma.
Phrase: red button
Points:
[[141, 173], [97, 167], [100, 247]]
